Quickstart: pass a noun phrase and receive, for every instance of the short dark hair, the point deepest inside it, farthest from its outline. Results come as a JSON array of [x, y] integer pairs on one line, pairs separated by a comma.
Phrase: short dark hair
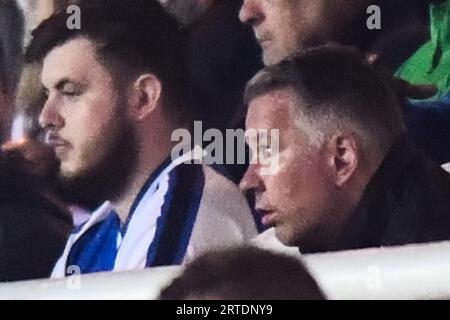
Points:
[[244, 273], [132, 37], [338, 81]]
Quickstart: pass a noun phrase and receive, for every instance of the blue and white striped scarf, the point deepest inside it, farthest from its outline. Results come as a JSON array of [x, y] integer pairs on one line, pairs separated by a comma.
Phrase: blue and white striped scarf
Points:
[[159, 229]]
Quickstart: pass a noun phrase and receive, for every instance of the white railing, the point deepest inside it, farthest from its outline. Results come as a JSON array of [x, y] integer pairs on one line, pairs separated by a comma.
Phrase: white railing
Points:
[[408, 272]]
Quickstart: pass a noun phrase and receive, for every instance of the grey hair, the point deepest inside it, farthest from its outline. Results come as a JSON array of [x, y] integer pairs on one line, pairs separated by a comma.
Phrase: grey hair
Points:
[[340, 91]]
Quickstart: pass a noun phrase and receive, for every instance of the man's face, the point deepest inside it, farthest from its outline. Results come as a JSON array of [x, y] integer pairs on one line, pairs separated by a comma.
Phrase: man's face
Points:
[[82, 114], [298, 197], [283, 27]]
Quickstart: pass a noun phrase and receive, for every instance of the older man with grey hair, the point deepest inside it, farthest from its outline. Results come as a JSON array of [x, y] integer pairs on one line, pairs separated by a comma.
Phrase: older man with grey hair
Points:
[[348, 177]]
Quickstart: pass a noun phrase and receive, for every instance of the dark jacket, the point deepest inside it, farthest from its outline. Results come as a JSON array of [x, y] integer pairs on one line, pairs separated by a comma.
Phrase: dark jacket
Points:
[[428, 122], [33, 227], [222, 55], [407, 201]]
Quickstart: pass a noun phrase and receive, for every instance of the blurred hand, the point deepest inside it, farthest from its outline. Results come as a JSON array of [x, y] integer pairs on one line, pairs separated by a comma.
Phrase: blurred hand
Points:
[[415, 91], [35, 158], [406, 89]]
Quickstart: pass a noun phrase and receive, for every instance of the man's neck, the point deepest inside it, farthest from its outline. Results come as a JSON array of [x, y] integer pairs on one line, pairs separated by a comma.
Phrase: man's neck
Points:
[[148, 162], [123, 205]]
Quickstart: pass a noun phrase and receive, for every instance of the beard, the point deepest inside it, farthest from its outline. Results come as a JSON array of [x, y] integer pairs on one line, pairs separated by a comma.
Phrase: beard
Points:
[[109, 177]]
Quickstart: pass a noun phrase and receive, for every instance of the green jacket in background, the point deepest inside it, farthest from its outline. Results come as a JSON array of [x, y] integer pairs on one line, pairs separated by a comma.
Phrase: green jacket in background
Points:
[[431, 63]]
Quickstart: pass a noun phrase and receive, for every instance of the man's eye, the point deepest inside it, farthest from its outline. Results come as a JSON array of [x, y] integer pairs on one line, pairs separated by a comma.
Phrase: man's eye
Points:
[[70, 90], [70, 93]]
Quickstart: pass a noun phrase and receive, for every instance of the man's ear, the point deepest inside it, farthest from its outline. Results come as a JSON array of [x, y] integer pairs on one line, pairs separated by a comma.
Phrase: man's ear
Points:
[[344, 157], [145, 97]]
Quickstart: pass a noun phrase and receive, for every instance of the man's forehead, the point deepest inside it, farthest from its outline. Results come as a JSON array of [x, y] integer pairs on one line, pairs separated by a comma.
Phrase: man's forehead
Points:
[[75, 59], [274, 108]]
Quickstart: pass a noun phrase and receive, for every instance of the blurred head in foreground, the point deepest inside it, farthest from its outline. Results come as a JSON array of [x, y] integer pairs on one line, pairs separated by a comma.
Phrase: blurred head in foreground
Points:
[[244, 274]]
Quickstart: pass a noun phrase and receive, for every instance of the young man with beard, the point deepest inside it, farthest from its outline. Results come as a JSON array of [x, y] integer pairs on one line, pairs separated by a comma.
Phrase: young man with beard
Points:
[[285, 27], [115, 95], [348, 177]]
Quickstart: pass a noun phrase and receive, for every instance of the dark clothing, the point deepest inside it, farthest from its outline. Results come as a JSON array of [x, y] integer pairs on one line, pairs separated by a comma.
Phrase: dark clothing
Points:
[[407, 201], [404, 28], [428, 122], [222, 56], [33, 228]]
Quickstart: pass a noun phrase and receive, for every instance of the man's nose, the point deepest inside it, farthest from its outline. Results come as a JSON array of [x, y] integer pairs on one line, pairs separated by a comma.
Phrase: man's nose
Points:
[[251, 180], [250, 13], [50, 116]]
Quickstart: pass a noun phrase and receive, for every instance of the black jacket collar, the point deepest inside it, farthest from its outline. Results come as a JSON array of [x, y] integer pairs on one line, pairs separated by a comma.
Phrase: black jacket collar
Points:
[[394, 201]]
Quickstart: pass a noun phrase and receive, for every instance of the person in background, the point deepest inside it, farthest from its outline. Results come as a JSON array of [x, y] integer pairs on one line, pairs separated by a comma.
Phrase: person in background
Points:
[[222, 56], [285, 27], [11, 38], [431, 62], [431, 65]]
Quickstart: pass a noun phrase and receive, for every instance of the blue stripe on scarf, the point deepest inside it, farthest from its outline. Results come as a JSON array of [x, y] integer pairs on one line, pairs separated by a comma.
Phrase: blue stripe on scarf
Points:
[[96, 250], [178, 215], [143, 191]]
